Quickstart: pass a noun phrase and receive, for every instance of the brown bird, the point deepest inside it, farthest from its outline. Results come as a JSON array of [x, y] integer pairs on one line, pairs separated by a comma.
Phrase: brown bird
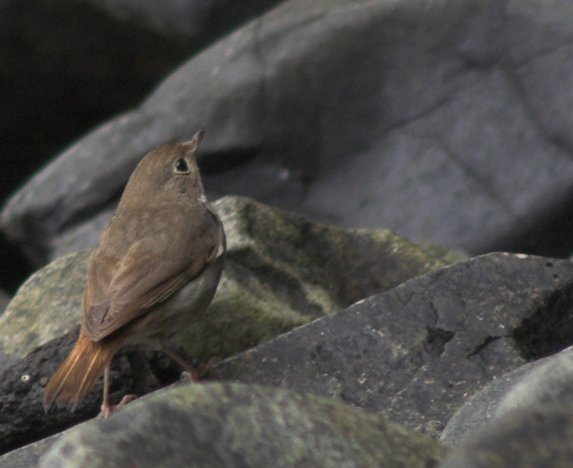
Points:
[[155, 270]]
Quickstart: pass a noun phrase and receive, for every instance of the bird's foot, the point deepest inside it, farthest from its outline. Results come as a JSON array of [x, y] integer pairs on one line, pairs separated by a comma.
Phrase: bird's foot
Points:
[[107, 409], [197, 374]]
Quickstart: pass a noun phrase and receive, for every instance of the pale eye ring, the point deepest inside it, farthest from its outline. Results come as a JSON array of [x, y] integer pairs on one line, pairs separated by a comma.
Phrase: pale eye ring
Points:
[[181, 166]]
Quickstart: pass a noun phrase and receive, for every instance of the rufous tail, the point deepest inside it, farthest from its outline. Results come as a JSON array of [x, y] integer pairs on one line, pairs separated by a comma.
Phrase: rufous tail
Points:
[[79, 372]]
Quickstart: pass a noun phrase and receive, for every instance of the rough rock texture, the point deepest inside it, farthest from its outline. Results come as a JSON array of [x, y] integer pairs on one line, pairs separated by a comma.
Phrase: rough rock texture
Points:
[[237, 426], [22, 416], [446, 121], [412, 355], [547, 380], [350, 111], [28, 455], [416, 353], [281, 271], [47, 305], [530, 437]]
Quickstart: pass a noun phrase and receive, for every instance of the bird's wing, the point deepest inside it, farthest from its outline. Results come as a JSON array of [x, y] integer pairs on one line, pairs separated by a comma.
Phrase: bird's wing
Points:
[[154, 266]]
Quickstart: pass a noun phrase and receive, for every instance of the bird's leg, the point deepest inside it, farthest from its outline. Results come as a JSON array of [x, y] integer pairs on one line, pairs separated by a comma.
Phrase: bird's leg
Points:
[[191, 373], [106, 407]]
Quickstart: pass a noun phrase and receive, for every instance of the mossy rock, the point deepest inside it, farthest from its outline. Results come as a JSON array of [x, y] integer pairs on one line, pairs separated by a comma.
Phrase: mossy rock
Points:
[[282, 271]]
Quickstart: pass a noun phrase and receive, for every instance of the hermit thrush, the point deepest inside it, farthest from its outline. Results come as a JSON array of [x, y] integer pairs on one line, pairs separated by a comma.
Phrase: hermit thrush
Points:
[[155, 270]]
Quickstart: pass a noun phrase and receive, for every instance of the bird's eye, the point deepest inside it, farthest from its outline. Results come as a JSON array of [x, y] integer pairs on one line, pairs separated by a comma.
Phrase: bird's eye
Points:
[[181, 166]]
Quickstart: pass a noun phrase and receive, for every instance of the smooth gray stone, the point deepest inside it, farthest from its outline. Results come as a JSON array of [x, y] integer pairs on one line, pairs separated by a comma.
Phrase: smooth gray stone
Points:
[[402, 114], [531, 437], [548, 380]]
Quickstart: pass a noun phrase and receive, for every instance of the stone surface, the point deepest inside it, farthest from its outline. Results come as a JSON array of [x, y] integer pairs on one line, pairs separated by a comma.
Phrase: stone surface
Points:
[[66, 66], [414, 354], [22, 416], [114, 51], [527, 438], [47, 305], [198, 20], [236, 426], [282, 271], [27, 456], [403, 114], [548, 380], [354, 109]]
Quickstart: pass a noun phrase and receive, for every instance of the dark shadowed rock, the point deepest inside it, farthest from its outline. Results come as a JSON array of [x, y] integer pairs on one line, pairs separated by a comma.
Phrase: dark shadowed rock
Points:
[[69, 64], [196, 20], [353, 108], [416, 353], [4, 300], [548, 380], [66, 66], [22, 416], [235, 425]]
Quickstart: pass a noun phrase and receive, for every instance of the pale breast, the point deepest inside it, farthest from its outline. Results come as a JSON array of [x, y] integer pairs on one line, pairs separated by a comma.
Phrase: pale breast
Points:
[[174, 315]]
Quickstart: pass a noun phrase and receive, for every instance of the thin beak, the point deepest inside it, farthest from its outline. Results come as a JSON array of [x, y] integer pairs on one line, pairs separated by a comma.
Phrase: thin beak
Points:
[[196, 140], [198, 137]]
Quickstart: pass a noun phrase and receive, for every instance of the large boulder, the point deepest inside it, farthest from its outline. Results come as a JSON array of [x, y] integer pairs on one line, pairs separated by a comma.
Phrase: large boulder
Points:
[[281, 271], [416, 353], [402, 114], [241, 425]]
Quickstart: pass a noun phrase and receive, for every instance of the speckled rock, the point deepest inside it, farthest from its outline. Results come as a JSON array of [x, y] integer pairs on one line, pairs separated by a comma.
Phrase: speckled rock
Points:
[[416, 353], [282, 271], [236, 425], [48, 304], [28, 455]]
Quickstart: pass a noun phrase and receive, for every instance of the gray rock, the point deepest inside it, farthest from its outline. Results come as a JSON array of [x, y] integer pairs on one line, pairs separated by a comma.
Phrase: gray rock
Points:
[[66, 66], [415, 354], [356, 109], [22, 416], [69, 64], [198, 20], [28, 455], [47, 305], [527, 438], [282, 271], [235, 425], [548, 380]]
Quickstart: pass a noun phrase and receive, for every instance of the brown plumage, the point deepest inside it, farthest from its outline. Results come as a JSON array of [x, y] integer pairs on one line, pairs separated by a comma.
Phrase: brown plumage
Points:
[[156, 269], [79, 372]]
